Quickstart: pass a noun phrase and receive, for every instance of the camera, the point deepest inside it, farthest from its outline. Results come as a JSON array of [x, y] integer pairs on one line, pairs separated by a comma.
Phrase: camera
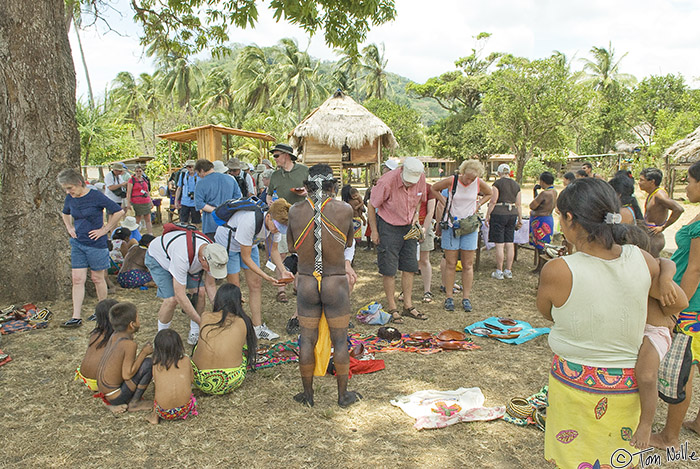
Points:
[[190, 195], [444, 225]]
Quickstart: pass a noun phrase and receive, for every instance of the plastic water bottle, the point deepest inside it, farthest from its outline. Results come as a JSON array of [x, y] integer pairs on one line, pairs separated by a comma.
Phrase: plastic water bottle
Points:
[[274, 196], [455, 223]]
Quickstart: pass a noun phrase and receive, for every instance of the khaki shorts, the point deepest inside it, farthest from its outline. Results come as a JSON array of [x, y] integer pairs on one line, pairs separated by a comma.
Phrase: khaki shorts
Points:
[[428, 244]]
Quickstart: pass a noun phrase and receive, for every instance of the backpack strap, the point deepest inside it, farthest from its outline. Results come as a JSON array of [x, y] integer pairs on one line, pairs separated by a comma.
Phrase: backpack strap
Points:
[[446, 215]]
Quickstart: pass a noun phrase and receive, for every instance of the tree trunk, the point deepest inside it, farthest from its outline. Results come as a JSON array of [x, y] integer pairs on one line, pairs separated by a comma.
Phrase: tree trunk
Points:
[[38, 139], [521, 157]]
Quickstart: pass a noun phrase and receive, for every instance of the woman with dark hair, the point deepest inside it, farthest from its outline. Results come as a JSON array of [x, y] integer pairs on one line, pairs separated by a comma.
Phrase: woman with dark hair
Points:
[[99, 338], [687, 259], [597, 298], [138, 196], [227, 344], [133, 272], [624, 186]]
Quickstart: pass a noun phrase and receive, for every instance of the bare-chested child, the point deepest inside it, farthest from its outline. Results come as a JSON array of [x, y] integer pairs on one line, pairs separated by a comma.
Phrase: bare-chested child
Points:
[[541, 220], [227, 344], [172, 378], [657, 207], [329, 295], [99, 337], [123, 376], [657, 337], [352, 196]]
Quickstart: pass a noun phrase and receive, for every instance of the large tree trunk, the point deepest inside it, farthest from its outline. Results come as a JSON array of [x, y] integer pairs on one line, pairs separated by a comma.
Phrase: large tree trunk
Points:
[[38, 138]]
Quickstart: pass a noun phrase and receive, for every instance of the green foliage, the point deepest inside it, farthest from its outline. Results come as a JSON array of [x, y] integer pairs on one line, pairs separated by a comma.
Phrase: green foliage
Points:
[[534, 167], [656, 93], [104, 136], [403, 121]]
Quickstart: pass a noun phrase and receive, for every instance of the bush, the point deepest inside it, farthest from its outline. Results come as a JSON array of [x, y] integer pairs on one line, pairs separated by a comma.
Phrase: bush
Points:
[[534, 167]]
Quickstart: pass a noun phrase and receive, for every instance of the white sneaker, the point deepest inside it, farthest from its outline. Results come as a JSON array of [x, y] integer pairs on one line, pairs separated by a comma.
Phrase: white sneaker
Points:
[[193, 338], [507, 274], [498, 275], [263, 332]]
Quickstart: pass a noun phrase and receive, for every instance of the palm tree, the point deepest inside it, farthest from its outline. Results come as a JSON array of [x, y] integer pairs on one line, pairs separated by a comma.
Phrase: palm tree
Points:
[[73, 16], [604, 71], [374, 66], [127, 98], [296, 77], [347, 69], [151, 102], [217, 90], [181, 78], [253, 79]]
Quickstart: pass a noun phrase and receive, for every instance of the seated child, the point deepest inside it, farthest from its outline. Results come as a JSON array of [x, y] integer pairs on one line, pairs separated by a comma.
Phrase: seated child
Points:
[[352, 196], [172, 377], [122, 376], [227, 344], [99, 337], [134, 273], [657, 337]]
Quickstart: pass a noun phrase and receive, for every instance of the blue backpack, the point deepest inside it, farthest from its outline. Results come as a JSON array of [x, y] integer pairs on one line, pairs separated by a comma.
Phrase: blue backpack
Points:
[[223, 213]]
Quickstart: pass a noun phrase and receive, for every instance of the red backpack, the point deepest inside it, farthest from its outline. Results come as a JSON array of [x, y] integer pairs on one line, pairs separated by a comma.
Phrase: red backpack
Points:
[[187, 230]]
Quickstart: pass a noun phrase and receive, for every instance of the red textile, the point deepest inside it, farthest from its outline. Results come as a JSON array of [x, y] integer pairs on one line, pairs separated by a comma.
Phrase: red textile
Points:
[[361, 367]]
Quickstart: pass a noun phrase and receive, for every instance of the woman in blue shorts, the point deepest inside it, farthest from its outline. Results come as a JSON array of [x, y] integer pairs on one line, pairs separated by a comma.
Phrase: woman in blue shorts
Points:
[[467, 192], [83, 216]]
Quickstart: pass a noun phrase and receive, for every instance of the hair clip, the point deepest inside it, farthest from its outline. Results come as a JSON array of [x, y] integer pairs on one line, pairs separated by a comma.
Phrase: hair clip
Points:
[[613, 218]]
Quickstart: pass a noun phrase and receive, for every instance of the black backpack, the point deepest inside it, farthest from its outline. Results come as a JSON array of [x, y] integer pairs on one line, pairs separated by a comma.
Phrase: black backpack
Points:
[[223, 213]]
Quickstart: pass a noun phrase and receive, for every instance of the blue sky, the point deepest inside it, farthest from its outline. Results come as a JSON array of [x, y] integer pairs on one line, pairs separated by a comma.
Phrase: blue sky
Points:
[[659, 36]]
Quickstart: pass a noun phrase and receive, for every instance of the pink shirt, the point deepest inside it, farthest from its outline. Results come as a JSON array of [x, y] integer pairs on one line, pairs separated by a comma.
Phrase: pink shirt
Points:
[[464, 203], [396, 203]]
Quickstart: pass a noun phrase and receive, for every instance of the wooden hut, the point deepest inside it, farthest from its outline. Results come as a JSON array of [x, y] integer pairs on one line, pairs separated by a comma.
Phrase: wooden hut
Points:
[[681, 155], [342, 134]]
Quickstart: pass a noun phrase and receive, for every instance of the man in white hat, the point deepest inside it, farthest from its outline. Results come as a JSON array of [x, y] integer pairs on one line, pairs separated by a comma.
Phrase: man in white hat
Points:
[[213, 189], [184, 197], [116, 181], [168, 262], [397, 197]]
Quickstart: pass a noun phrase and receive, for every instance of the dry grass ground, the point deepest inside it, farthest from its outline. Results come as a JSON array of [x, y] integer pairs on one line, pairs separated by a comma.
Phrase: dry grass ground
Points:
[[48, 420]]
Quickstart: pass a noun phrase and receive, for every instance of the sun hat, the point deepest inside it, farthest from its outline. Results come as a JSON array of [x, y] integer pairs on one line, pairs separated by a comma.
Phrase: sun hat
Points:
[[284, 148], [503, 168], [260, 168], [412, 170], [217, 258], [391, 164], [190, 163], [129, 223], [280, 227], [220, 167], [267, 163], [116, 167], [234, 163]]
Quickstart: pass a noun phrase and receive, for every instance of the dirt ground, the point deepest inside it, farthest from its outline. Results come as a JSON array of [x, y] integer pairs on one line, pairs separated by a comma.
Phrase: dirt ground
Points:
[[49, 420]]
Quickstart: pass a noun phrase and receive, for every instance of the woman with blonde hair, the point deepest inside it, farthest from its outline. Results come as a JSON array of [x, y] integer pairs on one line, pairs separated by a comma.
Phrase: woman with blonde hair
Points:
[[466, 193]]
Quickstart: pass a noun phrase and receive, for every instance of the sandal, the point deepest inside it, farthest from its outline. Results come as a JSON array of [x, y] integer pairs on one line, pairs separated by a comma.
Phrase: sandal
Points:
[[281, 297], [412, 312], [427, 297], [394, 319]]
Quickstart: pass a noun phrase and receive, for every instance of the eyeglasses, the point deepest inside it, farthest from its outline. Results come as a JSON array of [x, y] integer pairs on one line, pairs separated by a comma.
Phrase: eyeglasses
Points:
[[276, 155]]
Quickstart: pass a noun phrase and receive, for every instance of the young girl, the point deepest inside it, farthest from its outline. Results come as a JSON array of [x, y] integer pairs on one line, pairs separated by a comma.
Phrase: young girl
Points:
[[352, 196], [99, 337], [172, 377], [227, 344], [597, 298]]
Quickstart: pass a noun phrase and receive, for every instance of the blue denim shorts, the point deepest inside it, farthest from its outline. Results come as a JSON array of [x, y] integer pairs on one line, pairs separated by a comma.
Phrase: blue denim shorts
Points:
[[164, 280], [235, 260], [466, 242], [82, 257]]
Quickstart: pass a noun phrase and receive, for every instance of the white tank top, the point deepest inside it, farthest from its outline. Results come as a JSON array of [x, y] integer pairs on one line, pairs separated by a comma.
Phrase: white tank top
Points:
[[602, 322], [464, 203]]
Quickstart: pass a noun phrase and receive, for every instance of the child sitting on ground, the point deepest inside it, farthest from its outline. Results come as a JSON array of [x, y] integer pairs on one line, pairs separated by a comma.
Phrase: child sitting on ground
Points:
[[172, 377], [99, 337], [122, 376], [134, 273], [657, 337]]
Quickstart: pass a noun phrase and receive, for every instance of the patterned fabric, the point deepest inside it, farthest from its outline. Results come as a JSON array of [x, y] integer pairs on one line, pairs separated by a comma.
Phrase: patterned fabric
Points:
[[282, 352], [181, 412], [90, 383], [221, 381], [134, 278], [373, 344], [584, 427], [593, 379], [357, 227], [541, 229], [675, 369]]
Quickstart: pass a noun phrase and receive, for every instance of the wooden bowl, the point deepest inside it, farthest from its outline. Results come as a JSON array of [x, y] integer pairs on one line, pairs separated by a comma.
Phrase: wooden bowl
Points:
[[507, 321], [451, 335], [420, 335]]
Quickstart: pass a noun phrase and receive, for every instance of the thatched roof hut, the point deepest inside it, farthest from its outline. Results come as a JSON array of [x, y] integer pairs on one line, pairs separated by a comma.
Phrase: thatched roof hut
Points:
[[685, 151], [341, 132]]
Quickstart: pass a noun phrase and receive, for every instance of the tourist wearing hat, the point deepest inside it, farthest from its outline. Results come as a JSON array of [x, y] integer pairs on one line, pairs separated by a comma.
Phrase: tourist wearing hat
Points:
[[287, 181], [130, 224], [396, 198], [184, 198], [236, 168], [168, 261], [213, 189], [116, 181], [504, 216]]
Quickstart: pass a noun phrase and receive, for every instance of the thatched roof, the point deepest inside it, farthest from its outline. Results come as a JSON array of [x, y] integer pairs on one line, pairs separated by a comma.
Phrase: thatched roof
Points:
[[341, 120], [686, 150]]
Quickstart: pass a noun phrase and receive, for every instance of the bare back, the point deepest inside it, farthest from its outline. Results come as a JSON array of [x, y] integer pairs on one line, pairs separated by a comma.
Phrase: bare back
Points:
[[544, 203], [220, 347], [174, 385], [93, 356], [118, 357]]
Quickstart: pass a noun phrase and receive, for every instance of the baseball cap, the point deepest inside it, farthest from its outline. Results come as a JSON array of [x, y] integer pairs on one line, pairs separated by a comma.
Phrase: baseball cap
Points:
[[412, 170], [503, 168], [217, 258], [391, 164]]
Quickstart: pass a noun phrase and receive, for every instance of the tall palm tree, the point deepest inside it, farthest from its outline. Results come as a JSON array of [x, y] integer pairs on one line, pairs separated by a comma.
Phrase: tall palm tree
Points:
[[73, 17], [253, 79], [217, 91], [181, 78], [297, 78], [374, 66], [604, 70], [127, 98], [151, 102], [347, 69]]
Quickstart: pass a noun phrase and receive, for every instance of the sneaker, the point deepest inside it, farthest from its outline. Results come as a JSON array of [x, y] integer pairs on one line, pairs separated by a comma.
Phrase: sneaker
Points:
[[507, 274], [293, 327], [449, 304], [72, 323], [193, 338], [93, 317], [262, 332], [498, 275], [467, 305]]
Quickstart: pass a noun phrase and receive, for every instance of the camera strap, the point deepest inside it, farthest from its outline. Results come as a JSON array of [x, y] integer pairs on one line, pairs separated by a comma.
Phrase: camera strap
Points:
[[446, 214]]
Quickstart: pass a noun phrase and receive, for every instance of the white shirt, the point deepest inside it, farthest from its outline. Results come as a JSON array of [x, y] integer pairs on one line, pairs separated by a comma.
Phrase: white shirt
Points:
[[179, 264], [244, 223], [110, 180]]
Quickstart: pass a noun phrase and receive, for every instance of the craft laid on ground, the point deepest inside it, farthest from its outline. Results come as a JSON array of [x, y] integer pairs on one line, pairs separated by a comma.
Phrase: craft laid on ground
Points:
[[282, 352], [523, 411], [23, 318], [508, 330], [390, 339], [438, 409], [4, 358]]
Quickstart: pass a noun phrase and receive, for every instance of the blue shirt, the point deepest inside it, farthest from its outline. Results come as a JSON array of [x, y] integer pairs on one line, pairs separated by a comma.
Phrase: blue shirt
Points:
[[214, 189], [188, 184], [88, 214]]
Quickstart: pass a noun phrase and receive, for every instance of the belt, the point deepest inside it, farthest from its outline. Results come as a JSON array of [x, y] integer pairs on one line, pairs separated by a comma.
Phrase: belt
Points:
[[504, 204]]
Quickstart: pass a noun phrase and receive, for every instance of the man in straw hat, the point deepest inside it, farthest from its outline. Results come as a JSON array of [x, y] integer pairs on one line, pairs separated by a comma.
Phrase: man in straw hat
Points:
[[236, 168], [184, 197], [213, 189], [116, 181]]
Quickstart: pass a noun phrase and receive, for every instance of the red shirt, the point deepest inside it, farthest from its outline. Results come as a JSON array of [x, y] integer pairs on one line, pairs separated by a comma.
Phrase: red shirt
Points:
[[395, 202], [423, 210]]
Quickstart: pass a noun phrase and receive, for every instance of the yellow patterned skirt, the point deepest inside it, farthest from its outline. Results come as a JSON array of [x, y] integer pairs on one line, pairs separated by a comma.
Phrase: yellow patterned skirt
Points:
[[591, 416]]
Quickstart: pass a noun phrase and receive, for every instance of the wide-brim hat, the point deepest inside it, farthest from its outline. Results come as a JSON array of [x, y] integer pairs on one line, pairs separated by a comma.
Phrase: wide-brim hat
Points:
[[234, 163], [220, 167], [260, 168], [284, 148], [190, 162], [116, 167], [129, 223], [267, 163]]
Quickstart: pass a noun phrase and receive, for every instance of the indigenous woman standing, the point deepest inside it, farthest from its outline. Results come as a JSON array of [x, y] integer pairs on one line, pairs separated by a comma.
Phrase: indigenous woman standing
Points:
[[597, 299], [467, 192], [138, 196], [83, 215]]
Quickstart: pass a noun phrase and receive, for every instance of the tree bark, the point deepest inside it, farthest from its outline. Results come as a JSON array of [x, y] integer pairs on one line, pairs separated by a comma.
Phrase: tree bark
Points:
[[38, 139]]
